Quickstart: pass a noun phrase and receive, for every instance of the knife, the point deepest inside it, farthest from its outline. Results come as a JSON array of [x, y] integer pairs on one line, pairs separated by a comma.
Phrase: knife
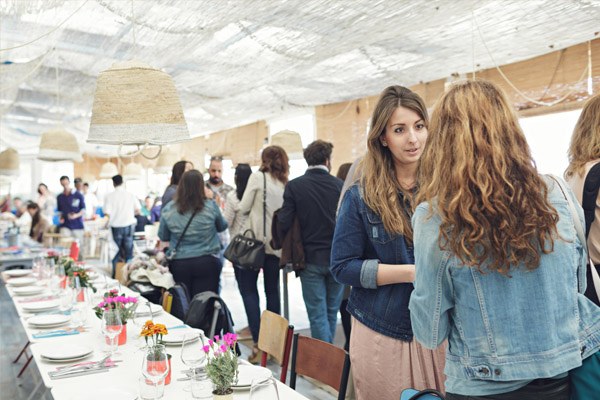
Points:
[[78, 373]]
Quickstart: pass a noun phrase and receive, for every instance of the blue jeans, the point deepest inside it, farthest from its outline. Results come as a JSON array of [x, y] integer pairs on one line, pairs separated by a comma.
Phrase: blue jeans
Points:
[[322, 295], [247, 283], [123, 237]]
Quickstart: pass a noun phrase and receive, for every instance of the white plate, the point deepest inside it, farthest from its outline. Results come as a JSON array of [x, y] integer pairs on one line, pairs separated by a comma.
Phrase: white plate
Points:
[[23, 281], [17, 272], [40, 305], [66, 360], [175, 336], [27, 290], [248, 373], [61, 352], [142, 309], [98, 393], [41, 321]]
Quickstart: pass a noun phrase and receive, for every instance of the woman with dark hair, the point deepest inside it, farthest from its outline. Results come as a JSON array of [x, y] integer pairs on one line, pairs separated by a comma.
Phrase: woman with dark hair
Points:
[[179, 168], [46, 202], [271, 178], [500, 269], [195, 254], [39, 223], [373, 252]]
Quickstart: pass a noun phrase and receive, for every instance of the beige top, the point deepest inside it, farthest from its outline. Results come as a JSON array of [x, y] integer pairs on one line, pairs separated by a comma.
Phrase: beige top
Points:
[[576, 183]]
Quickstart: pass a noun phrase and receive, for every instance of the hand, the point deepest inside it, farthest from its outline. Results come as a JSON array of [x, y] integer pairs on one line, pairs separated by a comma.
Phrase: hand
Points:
[[208, 193]]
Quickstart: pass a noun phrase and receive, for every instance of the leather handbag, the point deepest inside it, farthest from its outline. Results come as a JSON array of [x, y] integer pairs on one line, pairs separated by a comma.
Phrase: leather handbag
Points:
[[245, 251]]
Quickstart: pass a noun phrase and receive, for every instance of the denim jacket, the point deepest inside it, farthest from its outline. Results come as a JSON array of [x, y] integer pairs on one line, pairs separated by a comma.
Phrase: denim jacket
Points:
[[535, 324], [360, 243]]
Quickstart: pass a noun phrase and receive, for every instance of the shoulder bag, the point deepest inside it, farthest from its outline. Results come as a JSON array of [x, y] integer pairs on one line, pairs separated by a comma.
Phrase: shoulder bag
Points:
[[245, 251]]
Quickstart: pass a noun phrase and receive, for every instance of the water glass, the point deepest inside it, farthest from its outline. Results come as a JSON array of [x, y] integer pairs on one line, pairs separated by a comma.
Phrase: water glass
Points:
[[155, 365], [149, 391], [192, 353], [201, 385], [264, 389], [112, 327]]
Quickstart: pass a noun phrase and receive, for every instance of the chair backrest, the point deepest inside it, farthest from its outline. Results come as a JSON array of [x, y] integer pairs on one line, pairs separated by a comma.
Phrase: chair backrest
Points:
[[180, 301], [275, 339], [321, 361], [167, 301]]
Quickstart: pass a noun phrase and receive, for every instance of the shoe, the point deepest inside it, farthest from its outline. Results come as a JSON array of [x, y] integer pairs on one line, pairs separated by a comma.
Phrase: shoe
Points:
[[255, 357], [244, 333]]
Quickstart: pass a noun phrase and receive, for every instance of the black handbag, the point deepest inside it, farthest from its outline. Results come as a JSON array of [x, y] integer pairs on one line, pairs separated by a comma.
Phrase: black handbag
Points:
[[245, 251]]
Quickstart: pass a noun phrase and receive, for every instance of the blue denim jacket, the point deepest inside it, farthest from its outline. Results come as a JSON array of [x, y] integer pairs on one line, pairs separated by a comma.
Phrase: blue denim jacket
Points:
[[201, 237], [360, 243], [535, 324]]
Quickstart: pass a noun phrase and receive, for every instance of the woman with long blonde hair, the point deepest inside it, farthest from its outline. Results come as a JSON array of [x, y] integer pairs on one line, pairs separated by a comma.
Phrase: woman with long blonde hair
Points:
[[584, 155], [373, 252], [498, 262]]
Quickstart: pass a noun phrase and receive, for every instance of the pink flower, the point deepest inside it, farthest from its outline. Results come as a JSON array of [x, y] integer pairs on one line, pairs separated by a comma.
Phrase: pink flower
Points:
[[206, 349], [217, 338], [223, 348], [210, 342]]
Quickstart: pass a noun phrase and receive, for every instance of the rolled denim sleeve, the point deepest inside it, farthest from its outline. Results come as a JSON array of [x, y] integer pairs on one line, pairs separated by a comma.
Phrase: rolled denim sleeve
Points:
[[348, 264], [432, 298]]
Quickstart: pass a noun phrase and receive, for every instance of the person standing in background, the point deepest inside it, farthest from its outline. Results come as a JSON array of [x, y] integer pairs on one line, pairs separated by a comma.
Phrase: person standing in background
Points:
[[71, 206], [47, 202], [91, 201], [78, 183], [120, 207], [178, 170], [215, 181], [39, 223]]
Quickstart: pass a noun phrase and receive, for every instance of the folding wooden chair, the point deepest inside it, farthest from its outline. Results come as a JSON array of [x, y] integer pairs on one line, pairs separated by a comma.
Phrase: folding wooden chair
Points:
[[167, 301], [321, 361], [275, 339]]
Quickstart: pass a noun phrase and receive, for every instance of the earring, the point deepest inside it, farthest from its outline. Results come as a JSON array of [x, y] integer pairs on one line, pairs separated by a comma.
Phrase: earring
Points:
[[384, 144]]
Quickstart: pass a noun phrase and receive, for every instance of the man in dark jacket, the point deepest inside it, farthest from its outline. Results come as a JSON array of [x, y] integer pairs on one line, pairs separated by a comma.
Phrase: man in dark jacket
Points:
[[313, 198]]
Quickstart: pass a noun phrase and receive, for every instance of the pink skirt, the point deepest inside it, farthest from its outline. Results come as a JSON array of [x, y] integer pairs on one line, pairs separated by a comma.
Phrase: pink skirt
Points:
[[382, 366]]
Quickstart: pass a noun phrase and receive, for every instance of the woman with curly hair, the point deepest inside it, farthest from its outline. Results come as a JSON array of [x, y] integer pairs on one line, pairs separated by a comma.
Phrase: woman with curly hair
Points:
[[584, 154], [373, 252], [499, 266], [271, 178]]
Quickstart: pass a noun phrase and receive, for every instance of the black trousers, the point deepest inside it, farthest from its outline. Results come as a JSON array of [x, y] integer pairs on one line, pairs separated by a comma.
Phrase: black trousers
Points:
[[539, 389], [199, 274]]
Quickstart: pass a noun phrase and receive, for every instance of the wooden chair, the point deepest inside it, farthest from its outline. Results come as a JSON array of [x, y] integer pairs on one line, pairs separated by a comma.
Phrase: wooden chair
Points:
[[275, 339], [321, 361], [167, 301]]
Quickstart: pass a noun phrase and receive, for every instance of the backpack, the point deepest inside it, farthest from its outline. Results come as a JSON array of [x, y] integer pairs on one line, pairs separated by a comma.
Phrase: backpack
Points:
[[180, 303], [209, 312]]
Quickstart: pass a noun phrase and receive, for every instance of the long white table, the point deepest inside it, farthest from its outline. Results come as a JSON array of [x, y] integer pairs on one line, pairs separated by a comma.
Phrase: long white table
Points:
[[125, 376]]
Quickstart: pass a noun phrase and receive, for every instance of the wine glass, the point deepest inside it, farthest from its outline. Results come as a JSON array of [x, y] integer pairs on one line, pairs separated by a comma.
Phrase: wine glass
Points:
[[37, 265], [262, 388], [192, 353], [112, 327], [155, 365]]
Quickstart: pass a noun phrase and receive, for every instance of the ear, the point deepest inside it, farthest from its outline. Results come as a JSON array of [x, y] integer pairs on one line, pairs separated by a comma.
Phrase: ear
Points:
[[382, 140]]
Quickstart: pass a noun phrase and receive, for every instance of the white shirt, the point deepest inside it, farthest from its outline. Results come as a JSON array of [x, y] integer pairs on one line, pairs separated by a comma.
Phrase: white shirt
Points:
[[91, 202], [121, 206]]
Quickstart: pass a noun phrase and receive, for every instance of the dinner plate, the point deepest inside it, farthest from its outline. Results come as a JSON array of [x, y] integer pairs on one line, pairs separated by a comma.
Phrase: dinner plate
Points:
[[248, 373], [17, 272], [38, 306], [175, 336], [27, 290], [99, 393], [41, 321], [66, 360], [22, 281], [142, 309], [62, 352]]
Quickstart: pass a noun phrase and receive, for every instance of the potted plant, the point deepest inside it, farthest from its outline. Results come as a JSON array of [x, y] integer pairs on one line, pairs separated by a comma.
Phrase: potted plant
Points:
[[222, 366], [155, 349], [125, 305]]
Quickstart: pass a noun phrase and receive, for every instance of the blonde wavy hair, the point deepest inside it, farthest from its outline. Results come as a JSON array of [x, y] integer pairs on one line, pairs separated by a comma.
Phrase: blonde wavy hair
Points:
[[585, 142], [379, 180], [478, 174]]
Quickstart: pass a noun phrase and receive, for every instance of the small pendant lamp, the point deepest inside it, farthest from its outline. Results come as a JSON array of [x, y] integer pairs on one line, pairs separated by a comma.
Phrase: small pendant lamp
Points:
[[108, 170], [59, 145], [9, 163], [290, 141], [136, 104], [133, 171]]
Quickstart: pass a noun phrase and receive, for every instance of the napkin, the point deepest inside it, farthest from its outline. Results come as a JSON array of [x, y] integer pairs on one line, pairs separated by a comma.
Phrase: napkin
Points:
[[57, 333]]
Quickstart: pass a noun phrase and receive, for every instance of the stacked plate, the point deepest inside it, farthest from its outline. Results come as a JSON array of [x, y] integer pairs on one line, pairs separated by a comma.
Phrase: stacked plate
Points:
[[249, 373], [175, 336], [48, 321], [40, 306], [143, 311], [21, 281], [73, 392], [28, 290], [59, 353], [13, 273]]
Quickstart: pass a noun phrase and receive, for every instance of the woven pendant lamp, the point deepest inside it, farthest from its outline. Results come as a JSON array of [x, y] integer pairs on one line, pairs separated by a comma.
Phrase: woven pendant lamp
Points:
[[290, 141], [108, 170], [165, 162], [136, 104], [59, 145], [9, 163], [133, 171]]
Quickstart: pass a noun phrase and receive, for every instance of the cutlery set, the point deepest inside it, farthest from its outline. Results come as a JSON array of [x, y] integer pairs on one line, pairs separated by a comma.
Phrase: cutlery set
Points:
[[85, 368]]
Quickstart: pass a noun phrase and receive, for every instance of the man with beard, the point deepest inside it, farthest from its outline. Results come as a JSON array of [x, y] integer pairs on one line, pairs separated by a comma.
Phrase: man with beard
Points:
[[215, 183]]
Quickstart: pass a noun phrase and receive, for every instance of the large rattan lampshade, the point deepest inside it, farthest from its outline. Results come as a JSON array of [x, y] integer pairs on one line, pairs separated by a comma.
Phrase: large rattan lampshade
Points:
[[59, 145], [290, 141], [133, 171], [165, 162], [9, 163], [136, 104], [108, 170]]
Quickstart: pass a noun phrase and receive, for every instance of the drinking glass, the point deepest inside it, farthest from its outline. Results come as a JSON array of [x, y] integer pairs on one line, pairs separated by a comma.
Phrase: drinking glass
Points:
[[111, 327], [264, 389], [66, 299], [192, 353], [37, 266], [155, 365]]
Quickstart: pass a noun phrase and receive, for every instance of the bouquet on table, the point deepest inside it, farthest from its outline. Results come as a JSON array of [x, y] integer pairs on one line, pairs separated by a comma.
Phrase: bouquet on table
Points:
[[72, 270], [222, 366], [114, 301]]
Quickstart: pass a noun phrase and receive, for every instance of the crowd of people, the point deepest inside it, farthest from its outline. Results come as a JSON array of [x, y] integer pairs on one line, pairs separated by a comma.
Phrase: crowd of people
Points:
[[456, 266]]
